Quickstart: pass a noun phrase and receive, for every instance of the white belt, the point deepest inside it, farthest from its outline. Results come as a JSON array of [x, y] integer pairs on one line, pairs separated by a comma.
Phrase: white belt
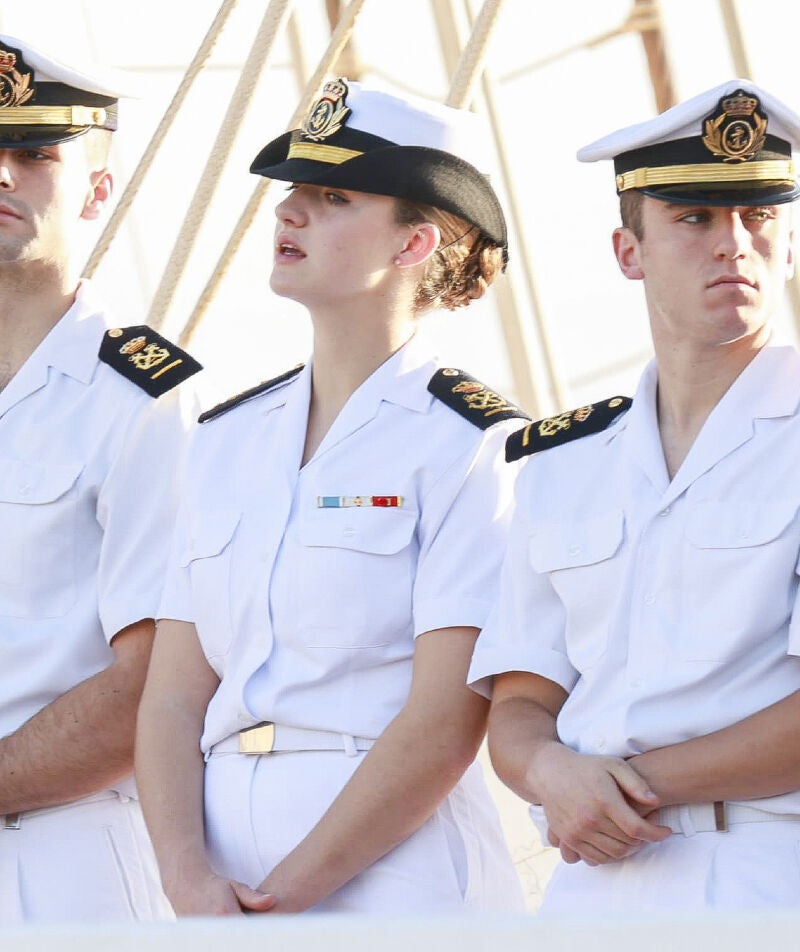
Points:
[[691, 818], [13, 821], [270, 738]]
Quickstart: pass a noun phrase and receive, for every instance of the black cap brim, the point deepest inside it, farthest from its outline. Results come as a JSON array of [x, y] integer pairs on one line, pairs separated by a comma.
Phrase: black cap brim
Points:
[[726, 194], [35, 137], [414, 173]]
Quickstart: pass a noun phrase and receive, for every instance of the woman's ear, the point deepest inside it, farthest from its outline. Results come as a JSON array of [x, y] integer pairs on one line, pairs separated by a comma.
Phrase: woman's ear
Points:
[[419, 246], [102, 185]]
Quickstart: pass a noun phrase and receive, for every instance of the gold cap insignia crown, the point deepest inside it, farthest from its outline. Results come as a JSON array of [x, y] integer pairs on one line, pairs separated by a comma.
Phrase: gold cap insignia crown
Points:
[[335, 89], [7, 61], [740, 104]]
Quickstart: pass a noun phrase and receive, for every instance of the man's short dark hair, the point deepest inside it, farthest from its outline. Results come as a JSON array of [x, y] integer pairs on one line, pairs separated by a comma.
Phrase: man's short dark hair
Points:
[[630, 209]]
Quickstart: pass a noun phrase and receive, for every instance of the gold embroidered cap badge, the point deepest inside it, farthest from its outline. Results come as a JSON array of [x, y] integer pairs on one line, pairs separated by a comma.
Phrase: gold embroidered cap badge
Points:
[[15, 83], [736, 130], [328, 113]]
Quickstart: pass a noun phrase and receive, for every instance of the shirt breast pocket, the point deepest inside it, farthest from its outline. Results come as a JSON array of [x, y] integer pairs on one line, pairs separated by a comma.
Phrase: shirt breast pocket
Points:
[[578, 558], [739, 575], [207, 555], [39, 510], [354, 589]]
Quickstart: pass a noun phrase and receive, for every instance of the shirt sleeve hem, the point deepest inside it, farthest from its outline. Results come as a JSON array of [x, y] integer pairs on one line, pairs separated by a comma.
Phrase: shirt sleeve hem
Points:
[[450, 612], [115, 622], [487, 662]]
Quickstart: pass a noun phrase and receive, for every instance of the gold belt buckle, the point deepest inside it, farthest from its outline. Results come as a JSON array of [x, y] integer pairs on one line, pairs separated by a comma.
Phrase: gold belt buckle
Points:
[[257, 740]]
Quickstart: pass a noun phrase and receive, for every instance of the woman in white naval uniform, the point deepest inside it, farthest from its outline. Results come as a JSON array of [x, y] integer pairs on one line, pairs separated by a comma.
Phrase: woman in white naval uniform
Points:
[[337, 553]]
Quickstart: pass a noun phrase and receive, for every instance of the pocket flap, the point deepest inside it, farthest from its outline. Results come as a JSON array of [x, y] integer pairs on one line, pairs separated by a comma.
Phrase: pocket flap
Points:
[[365, 529], [210, 536], [564, 545], [32, 484], [721, 525]]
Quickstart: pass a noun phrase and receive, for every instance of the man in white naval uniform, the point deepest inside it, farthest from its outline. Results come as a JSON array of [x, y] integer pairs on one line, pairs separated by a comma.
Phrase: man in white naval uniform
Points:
[[87, 457], [643, 655]]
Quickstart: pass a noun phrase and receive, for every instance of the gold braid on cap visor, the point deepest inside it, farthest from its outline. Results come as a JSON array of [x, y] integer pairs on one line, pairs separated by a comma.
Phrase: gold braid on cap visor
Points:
[[771, 171], [321, 153], [53, 116]]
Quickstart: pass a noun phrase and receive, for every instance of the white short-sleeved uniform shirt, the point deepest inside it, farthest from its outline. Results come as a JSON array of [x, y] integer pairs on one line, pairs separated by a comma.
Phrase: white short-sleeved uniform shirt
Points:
[[87, 466], [308, 613], [665, 608]]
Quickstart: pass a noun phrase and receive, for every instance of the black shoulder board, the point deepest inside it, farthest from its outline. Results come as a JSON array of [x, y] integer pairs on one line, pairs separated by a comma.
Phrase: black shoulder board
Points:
[[259, 388], [471, 398], [553, 431], [146, 358]]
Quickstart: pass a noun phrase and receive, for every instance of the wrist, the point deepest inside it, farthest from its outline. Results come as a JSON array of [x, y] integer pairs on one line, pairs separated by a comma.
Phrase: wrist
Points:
[[181, 867], [545, 759], [647, 766], [291, 896]]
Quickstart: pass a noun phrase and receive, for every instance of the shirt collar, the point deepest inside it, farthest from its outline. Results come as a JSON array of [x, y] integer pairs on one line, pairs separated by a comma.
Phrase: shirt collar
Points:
[[404, 377], [72, 345], [401, 379], [769, 386]]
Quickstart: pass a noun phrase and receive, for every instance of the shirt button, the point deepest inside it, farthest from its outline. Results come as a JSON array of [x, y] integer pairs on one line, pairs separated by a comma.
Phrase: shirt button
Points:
[[666, 511], [650, 599], [348, 531], [574, 550], [600, 743], [24, 489]]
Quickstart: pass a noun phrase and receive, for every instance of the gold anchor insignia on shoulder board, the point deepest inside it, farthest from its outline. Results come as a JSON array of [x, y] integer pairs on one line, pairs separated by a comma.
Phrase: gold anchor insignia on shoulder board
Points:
[[471, 398], [142, 355], [564, 421], [553, 425], [151, 356], [478, 397], [488, 401], [147, 359], [564, 427]]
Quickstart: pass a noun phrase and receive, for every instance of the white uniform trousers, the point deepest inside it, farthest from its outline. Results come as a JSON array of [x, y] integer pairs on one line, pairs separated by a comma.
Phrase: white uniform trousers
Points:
[[751, 866], [88, 861], [258, 808]]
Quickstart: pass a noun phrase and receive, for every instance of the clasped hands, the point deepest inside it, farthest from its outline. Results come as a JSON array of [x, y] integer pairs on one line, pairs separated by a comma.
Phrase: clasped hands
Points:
[[598, 808]]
